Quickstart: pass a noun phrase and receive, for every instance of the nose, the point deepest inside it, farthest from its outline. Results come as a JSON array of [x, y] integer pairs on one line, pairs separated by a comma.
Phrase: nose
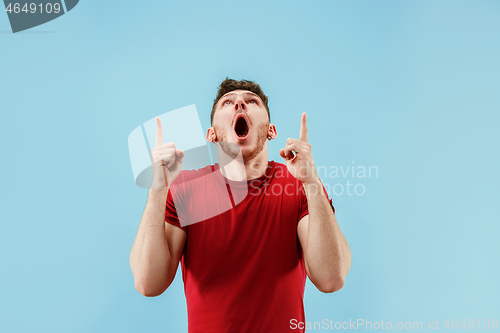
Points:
[[239, 104]]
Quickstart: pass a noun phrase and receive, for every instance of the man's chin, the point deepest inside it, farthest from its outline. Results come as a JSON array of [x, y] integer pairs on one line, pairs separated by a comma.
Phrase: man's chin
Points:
[[249, 153], [229, 149], [233, 151], [248, 149]]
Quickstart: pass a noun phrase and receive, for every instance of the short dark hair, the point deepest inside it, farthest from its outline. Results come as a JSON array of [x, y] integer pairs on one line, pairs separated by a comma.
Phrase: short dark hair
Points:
[[229, 85]]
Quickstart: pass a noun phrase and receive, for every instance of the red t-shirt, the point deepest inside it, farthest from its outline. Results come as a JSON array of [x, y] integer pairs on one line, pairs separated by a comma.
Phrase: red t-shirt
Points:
[[242, 263]]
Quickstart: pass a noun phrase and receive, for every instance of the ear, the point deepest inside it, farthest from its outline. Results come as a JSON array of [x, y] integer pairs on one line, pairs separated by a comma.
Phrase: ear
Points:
[[211, 135], [272, 132]]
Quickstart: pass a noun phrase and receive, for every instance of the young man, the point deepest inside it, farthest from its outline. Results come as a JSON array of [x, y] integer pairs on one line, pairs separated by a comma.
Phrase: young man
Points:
[[245, 256]]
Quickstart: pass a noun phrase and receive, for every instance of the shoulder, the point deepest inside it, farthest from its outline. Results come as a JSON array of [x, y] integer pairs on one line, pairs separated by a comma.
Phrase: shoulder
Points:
[[280, 171]]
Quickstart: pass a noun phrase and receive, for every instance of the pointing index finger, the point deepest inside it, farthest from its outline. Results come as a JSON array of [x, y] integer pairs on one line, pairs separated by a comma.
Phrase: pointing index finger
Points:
[[303, 128], [159, 132]]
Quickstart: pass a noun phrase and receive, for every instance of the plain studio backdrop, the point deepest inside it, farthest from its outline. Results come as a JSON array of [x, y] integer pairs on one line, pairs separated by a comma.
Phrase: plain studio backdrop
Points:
[[410, 88]]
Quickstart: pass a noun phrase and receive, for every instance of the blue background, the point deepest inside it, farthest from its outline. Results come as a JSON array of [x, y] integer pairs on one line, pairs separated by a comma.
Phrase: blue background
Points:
[[411, 87]]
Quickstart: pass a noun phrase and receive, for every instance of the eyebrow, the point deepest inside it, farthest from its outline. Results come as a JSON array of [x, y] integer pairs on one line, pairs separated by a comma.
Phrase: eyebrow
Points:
[[245, 93]]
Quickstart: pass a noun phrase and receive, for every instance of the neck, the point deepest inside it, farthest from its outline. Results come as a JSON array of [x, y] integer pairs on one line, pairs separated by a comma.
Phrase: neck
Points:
[[238, 170]]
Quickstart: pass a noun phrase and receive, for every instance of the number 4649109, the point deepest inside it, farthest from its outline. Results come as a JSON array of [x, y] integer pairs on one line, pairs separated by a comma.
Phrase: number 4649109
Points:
[[486, 324], [33, 8]]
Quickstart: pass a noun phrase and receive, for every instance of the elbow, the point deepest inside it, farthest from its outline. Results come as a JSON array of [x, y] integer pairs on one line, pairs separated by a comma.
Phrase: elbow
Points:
[[331, 285], [149, 285], [148, 291]]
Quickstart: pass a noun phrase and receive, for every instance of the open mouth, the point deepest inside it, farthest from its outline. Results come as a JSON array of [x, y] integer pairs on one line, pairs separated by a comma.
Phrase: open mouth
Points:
[[241, 127]]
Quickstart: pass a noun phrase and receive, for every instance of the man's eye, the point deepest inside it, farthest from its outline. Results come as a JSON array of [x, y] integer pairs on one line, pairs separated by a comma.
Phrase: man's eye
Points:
[[227, 102], [253, 101]]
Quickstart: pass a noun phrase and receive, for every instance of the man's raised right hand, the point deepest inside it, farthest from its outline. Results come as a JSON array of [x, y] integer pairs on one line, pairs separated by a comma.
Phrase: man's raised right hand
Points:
[[167, 161]]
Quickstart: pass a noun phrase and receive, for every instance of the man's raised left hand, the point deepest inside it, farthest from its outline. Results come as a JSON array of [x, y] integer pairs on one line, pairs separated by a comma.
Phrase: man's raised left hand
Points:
[[298, 156]]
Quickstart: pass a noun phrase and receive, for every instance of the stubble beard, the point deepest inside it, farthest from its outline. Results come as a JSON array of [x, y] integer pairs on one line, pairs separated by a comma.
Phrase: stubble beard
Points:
[[233, 150]]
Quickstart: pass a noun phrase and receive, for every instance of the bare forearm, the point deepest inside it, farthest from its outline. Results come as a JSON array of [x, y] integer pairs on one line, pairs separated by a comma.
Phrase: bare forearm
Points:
[[328, 255], [149, 256]]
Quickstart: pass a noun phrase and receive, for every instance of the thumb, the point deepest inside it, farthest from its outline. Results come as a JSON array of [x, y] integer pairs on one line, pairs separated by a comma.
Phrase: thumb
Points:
[[179, 155], [287, 156], [282, 153]]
